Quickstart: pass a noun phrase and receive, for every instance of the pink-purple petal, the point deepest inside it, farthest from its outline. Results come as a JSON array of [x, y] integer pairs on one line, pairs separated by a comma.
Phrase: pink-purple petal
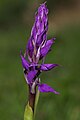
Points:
[[46, 88], [46, 67], [46, 48], [25, 63], [31, 75], [41, 38], [30, 47]]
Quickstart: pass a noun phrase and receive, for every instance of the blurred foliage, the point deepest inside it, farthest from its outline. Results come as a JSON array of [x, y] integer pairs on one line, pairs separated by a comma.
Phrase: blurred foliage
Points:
[[57, 3], [11, 10]]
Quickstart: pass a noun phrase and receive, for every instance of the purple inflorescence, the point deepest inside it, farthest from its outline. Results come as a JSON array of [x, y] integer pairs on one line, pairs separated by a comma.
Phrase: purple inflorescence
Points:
[[37, 48]]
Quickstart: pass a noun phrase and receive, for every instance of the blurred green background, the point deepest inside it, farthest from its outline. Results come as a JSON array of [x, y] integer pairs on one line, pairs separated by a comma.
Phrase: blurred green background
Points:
[[16, 20]]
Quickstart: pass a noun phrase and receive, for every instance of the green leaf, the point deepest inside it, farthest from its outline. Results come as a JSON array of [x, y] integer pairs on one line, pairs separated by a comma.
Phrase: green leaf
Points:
[[36, 101], [28, 114]]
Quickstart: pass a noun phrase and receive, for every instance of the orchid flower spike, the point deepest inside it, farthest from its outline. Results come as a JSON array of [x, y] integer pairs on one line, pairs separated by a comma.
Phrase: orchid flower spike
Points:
[[36, 50]]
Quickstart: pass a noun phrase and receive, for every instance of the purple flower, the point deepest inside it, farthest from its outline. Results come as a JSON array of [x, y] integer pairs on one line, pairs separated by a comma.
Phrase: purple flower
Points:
[[37, 48]]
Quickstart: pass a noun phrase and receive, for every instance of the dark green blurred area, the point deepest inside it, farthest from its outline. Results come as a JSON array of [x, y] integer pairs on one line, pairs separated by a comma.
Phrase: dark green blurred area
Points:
[[16, 19]]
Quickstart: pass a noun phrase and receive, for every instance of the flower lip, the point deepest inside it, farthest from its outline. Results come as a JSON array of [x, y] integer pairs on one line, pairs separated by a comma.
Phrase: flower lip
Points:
[[46, 88]]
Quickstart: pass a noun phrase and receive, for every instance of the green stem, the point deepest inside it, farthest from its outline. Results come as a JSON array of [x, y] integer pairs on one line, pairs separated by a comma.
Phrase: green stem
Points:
[[36, 101], [32, 99]]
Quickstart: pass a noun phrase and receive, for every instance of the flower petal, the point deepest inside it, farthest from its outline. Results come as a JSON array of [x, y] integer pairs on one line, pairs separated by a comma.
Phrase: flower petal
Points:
[[46, 67], [46, 88], [30, 48], [46, 48], [41, 38], [31, 75], [25, 63]]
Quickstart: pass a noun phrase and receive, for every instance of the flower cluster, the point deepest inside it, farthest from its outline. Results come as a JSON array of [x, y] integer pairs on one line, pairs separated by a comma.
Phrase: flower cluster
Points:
[[37, 48]]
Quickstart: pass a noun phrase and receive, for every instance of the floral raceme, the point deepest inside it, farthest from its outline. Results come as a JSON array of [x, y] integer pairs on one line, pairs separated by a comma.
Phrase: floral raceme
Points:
[[37, 48]]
